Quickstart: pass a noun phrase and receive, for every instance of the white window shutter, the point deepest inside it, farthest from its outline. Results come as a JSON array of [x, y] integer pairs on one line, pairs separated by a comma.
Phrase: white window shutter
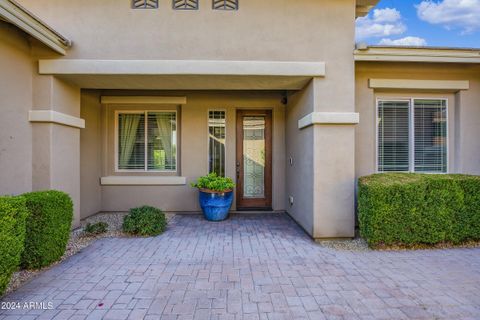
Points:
[[393, 136], [430, 117]]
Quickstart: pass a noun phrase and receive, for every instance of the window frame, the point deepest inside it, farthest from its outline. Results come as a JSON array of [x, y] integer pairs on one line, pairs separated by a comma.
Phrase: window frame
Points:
[[145, 113], [411, 132], [208, 137]]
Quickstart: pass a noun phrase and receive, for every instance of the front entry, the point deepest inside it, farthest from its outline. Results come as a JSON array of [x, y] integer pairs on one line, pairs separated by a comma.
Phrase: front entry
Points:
[[254, 160]]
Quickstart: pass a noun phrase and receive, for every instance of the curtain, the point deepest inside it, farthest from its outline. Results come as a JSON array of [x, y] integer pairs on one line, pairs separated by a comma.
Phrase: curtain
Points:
[[128, 135], [165, 134]]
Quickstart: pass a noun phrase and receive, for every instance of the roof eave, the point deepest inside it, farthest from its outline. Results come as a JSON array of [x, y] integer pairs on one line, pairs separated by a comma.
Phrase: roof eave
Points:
[[15, 14], [363, 7], [417, 54]]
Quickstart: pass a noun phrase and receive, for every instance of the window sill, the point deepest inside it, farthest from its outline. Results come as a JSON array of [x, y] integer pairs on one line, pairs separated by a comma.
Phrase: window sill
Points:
[[142, 181]]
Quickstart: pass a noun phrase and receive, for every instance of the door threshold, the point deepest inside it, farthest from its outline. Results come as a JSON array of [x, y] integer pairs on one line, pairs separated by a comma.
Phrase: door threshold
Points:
[[254, 209]]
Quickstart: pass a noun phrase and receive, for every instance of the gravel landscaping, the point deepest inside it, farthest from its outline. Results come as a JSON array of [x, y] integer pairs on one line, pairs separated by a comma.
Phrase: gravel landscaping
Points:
[[78, 241]]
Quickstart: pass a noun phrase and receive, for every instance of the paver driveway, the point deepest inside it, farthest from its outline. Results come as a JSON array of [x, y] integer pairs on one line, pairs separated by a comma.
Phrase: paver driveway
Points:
[[252, 267]]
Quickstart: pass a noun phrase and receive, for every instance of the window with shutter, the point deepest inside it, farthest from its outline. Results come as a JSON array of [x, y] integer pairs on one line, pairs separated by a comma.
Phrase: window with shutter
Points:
[[412, 136], [147, 141], [430, 135], [393, 136]]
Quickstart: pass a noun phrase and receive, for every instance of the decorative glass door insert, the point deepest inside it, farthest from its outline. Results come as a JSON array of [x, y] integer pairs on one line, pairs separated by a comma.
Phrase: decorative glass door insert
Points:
[[254, 157], [254, 160]]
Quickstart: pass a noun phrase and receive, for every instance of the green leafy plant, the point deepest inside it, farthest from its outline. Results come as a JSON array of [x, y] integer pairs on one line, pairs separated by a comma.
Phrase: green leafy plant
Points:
[[214, 182], [13, 213], [145, 221], [47, 228], [96, 228], [409, 209]]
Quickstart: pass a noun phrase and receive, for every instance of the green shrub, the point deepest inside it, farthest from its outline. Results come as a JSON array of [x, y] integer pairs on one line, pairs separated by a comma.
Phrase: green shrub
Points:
[[214, 183], [96, 228], [48, 228], [408, 209], [13, 213], [145, 221]]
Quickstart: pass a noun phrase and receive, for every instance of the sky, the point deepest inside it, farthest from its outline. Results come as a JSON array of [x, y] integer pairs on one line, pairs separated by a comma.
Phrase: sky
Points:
[[438, 23]]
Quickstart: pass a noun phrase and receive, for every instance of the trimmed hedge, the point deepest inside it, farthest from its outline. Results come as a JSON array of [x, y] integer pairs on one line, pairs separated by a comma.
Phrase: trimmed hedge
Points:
[[408, 209], [47, 228], [13, 213], [145, 221]]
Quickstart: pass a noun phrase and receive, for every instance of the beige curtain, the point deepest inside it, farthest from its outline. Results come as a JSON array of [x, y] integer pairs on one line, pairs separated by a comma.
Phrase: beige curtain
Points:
[[165, 130], [128, 135]]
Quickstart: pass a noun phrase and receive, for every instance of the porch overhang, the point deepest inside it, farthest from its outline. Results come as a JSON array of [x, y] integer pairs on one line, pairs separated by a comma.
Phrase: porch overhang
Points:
[[184, 74]]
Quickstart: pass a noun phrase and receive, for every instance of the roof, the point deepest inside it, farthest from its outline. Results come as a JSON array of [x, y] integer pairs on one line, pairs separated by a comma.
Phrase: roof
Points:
[[417, 54], [364, 7], [12, 12]]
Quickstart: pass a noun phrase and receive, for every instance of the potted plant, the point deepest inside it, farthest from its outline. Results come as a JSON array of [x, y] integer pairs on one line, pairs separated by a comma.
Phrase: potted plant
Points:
[[215, 195]]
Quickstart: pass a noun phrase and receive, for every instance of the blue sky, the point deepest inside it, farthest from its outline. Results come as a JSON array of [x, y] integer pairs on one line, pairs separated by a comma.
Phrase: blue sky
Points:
[[451, 23]]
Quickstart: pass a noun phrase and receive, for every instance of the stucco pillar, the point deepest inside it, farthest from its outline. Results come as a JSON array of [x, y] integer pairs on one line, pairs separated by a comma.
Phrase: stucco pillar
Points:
[[334, 159], [56, 138]]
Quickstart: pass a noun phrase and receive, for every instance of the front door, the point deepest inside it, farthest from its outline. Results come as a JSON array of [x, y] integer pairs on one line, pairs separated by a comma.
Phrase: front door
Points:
[[254, 160]]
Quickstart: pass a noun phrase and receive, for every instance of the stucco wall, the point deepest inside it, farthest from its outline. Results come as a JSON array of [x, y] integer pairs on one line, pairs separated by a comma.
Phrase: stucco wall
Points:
[[16, 69], [56, 147], [259, 30], [463, 110], [299, 149], [90, 154], [97, 148]]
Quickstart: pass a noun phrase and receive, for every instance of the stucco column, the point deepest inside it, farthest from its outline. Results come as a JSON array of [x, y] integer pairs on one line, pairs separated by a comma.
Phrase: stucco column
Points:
[[334, 158], [56, 138]]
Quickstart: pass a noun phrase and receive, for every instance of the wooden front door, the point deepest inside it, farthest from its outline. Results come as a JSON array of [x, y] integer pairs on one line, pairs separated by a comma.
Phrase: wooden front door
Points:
[[254, 160]]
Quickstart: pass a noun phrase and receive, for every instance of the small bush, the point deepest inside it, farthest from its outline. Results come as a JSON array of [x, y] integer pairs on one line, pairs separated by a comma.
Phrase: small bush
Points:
[[145, 221], [13, 213], [408, 209], [48, 228], [96, 228]]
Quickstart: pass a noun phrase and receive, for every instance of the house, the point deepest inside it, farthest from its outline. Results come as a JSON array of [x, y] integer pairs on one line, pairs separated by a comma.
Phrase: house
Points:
[[123, 103]]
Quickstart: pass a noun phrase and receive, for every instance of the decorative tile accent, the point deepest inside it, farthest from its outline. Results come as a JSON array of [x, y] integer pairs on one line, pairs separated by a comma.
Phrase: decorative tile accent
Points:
[[225, 4], [185, 4], [144, 4]]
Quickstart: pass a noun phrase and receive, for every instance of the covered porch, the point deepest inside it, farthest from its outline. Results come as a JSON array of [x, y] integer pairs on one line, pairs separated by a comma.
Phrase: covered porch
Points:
[[300, 150]]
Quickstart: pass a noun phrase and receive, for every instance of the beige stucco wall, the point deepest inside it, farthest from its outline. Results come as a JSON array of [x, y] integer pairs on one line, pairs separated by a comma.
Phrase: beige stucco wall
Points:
[[35, 156], [56, 147], [16, 69], [259, 30], [90, 154], [299, 148], [463, 110], [97, 148]]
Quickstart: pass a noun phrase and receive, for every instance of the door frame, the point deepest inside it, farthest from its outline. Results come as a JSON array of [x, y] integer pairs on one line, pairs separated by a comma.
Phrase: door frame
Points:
[[245, 204]]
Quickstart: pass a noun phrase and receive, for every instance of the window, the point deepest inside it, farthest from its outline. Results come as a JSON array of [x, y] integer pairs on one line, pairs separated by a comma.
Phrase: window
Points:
[[144, 4], [147, 141], [225, 4], [216, 142], [185, 4], [412, 136]]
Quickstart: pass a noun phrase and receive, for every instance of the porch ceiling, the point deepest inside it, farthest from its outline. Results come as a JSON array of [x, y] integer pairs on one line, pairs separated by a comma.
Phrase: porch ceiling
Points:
[[183, 74]]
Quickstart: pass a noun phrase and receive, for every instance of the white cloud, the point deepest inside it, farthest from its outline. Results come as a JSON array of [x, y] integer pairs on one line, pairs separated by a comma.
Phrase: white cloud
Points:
[[407, 41], [381, 23], [452, 14]]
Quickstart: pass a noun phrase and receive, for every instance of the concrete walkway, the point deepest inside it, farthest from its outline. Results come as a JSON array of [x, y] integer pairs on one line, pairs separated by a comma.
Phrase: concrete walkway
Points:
[[250, 267]]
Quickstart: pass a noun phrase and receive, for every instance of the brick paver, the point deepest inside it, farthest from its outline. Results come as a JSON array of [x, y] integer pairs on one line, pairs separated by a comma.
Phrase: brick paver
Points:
[[251, 267]]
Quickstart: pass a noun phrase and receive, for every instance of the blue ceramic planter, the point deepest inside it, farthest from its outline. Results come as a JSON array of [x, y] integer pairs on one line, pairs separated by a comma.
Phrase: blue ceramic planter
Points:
[[215, 206]]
